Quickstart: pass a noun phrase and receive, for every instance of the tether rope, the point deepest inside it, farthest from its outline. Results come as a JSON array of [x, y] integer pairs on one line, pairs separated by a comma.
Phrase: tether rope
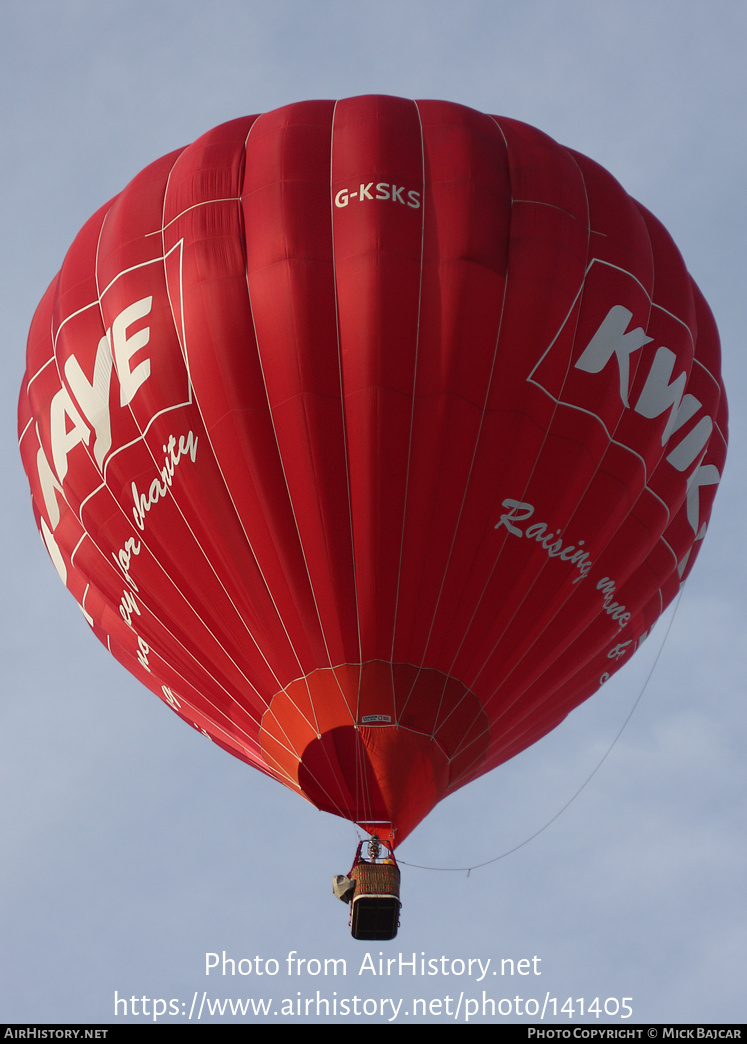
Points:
[[510, 851]]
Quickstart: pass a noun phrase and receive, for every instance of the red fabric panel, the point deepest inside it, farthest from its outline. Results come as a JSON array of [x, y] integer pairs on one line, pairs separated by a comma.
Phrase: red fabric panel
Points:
[[373, 436]]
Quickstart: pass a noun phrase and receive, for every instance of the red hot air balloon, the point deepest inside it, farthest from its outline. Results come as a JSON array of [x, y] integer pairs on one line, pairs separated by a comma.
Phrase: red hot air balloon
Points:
[[373, 437]]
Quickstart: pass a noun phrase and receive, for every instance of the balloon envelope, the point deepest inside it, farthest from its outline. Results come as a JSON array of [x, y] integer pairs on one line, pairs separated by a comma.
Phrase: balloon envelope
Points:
[[373, 437]]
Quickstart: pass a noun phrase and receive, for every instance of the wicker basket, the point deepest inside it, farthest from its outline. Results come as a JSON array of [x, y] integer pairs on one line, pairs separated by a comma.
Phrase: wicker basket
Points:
[[376, 879], [375, 905]]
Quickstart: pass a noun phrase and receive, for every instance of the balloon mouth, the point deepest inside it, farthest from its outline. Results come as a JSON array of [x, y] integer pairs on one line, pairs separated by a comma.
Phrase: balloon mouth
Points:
[[377, 743]]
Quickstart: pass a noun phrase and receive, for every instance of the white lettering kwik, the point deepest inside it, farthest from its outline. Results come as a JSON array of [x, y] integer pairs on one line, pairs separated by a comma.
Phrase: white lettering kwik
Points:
[[659, 393], [613, 338]]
